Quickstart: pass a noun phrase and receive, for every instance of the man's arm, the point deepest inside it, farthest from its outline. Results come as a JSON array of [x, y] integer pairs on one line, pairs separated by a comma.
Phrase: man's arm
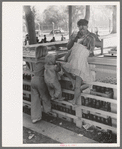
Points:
[[70, 44], [73, 38]]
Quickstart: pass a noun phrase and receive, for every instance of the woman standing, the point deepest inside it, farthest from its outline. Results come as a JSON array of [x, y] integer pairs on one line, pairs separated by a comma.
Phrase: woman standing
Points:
[[81, 46], [39, 92]]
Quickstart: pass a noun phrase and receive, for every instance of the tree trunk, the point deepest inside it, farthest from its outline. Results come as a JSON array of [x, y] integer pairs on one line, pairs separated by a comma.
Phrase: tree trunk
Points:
[[114, 20], [87, 16], [30, 24], [70, 20]]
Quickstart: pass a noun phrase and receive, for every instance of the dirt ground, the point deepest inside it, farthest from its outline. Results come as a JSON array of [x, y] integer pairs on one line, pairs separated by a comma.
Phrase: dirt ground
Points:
[[94, 133], [32, 137]]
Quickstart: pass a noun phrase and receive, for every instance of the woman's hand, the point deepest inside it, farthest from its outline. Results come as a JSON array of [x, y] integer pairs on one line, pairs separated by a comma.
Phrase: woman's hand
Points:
[[73, 35]]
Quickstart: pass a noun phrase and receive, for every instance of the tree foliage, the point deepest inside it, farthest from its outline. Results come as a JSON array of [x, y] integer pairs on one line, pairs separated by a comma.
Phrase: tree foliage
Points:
[[56, 14], [100, 15]]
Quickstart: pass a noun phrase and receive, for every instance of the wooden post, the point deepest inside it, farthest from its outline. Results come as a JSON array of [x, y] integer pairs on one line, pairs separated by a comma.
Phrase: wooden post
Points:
[[87, 16], [30, 24], [70, 20]]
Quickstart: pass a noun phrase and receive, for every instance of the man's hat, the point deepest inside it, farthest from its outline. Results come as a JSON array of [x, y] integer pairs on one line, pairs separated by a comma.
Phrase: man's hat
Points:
[[82, 22]]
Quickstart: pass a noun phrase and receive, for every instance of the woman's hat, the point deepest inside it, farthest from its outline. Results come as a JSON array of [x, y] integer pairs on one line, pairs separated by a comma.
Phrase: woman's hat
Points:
[[82, 22]]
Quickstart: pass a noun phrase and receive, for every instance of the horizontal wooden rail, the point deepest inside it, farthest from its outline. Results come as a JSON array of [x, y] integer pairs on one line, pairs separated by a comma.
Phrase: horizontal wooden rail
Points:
[[113, 115], [114, 101], [65, 114], [27, 82], [28, 72], [104, 84], [26, 92], [27, 102], [57, 43], [29, 60]]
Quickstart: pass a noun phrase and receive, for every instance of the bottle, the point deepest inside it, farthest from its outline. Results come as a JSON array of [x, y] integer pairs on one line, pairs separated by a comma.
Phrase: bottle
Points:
[[97, 104], [94, 117], [99, 119], [90, 102], [101, 103], [29, 77], [73, 112], [69, 85], [64, 109], [103, 120], [61, 108], [106, 121], [109, 135], [94, 88], [63, 94], [70, 110], [91, 116], [70, 96], [104, 106], [94, 103], [66, 96], [30, 98], [98, 88], [88, 115], [108, 106], [109, 121], [83, 100], [54, 106], [107, 91], [103, 89], [83, 115], [87, 101], [23, 76]]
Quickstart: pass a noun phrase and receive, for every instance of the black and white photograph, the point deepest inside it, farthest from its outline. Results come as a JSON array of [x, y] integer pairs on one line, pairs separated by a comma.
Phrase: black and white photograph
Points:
[[67, 61]]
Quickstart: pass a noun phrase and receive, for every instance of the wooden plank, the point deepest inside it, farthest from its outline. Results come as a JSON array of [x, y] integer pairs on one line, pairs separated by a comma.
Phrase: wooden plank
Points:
[[99, 98], [68, 91], [103, 84], [57, 43], [66, 118], [26, 102], [108, 36], [26, 92], [113, 115], [104, 70], [114, 101], [65, 114], [27, 82], [102, 61], [64, 102], [28, 72], [96, 83], [29, 60]]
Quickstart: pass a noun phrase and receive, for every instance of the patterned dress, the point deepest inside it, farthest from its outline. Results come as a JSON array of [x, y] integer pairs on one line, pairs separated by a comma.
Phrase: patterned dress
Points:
[[77, 61]]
